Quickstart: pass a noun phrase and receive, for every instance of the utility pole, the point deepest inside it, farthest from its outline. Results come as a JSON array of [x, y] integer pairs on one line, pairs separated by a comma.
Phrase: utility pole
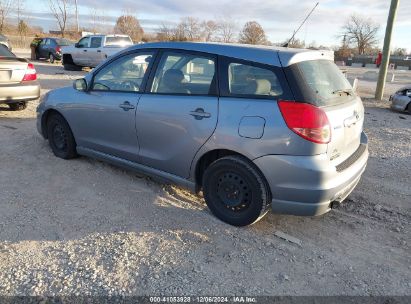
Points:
[[386, 50], [78, 25]]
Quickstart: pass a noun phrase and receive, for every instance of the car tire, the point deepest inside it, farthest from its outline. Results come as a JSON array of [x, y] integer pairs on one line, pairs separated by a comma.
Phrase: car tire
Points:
[[235, 191], [51, 58], [18, 106], [61, 139], [409, 108]]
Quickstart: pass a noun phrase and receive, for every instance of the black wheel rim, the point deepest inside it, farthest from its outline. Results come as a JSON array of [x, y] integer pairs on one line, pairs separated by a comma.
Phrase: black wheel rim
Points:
[[59, 138], [232, 191]]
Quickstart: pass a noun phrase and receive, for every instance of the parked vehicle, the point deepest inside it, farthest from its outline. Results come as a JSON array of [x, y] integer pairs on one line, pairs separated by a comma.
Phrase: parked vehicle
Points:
[[249, 126], [50, 48], [401, 100], [91, 50], [5, 41], [18, 83]]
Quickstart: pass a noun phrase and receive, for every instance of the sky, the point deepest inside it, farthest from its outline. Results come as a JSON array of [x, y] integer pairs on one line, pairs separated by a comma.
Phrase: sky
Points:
[[278, 18]]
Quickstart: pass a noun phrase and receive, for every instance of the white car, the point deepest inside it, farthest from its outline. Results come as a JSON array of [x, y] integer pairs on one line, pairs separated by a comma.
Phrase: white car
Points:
[[91, 50]]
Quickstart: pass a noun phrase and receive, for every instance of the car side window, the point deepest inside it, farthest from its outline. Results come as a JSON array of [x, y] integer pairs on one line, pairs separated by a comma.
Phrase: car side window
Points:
[[84, 43], [95, 42], [185, 73], [250, 80], [125, 74]]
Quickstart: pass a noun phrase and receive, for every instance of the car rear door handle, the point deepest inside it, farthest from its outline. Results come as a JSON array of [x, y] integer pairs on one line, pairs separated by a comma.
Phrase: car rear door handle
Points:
[[199, 114], [98, 51], [126, 106], [84, 50]]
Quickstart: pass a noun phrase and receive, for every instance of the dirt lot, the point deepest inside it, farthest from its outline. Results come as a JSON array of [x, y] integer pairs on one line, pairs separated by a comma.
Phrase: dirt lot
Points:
[[85, 227]]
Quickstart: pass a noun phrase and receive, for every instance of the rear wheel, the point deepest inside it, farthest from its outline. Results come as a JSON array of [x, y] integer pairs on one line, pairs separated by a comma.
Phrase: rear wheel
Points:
[[17, 106], [409, 108], [60, 137], [235, 191], [51, 58]]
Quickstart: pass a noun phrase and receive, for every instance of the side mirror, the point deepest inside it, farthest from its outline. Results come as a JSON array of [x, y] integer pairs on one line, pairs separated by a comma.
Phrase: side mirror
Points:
[[76, 45], [80, 84]]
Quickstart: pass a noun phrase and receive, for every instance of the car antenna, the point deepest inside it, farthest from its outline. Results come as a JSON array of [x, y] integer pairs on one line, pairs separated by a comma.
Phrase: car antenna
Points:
[[295, 32]]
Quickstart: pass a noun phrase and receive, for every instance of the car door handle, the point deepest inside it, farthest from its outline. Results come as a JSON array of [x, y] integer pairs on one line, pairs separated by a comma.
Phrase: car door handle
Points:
[[84, 50], [200, 114], [98, 51], [126, 106]]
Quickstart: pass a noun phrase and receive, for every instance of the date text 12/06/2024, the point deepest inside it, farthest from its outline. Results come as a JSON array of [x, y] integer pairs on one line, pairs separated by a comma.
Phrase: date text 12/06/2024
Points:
[[233, 299]]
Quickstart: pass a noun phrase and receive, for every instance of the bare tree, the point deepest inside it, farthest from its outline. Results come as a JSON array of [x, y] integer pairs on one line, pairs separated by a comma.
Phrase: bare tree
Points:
[[165, 33], [253, 33], [296, 43], [191, 28], [61, 11], [227, 29], [399, 52], [362, 32], [210, 29], [129, 25], [5, 9], [98, 20]]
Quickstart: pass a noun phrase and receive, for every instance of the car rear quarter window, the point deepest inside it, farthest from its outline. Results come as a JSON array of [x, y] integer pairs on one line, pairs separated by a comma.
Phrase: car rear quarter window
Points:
[[250, 80], [246, 79]]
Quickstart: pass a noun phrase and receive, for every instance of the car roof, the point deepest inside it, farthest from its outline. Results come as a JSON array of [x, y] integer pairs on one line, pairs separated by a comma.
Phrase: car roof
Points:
[[272, 55]]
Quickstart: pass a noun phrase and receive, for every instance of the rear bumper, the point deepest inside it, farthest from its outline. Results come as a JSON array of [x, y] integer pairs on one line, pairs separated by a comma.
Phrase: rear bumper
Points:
[[19, 92], [307, 185]]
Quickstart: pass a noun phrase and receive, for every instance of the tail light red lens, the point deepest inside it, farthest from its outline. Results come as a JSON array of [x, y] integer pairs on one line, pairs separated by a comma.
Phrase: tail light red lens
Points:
[[30, 73], [58, 49], [306, 120]]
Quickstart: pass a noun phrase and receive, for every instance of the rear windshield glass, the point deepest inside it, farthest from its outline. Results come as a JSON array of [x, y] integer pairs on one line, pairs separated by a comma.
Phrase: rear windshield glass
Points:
[[63, 42], [120, 41], [4, 52], [324, 83]]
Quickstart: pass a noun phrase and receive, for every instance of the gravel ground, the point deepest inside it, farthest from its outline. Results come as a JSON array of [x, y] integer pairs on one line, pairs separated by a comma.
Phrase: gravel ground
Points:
[[83, 227]]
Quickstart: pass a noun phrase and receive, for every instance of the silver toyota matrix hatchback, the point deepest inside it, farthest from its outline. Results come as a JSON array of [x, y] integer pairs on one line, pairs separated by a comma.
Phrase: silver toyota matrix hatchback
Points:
[[250, 127]]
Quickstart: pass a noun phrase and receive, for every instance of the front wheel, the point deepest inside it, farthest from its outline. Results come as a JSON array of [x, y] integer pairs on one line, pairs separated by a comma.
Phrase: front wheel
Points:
[[51, 57], [60, 137], [235, 191]]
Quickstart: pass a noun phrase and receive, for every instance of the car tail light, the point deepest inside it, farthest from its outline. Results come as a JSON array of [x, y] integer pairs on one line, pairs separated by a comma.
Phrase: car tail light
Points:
[[58, 49], [306, 120], [30, 73]]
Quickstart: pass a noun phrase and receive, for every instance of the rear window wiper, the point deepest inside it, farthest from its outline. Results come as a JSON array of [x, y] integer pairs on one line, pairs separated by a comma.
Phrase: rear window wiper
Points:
[[346, 91]]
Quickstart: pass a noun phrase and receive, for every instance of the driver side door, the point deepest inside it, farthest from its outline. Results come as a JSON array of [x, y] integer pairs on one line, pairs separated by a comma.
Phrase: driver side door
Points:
[[103, 119]]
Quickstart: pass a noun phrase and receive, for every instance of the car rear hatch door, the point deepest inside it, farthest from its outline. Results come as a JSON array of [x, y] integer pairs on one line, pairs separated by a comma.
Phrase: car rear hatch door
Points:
[[321, 83], [346, 122], [12, 70]]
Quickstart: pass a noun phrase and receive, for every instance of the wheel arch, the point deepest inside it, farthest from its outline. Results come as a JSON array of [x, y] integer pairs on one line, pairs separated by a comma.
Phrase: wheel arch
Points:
[[45, 117], [208, 158], [67, 59]]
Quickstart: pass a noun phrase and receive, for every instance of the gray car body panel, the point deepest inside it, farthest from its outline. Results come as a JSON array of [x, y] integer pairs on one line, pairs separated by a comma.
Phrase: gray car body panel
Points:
[[400, 102], [167, 142]]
